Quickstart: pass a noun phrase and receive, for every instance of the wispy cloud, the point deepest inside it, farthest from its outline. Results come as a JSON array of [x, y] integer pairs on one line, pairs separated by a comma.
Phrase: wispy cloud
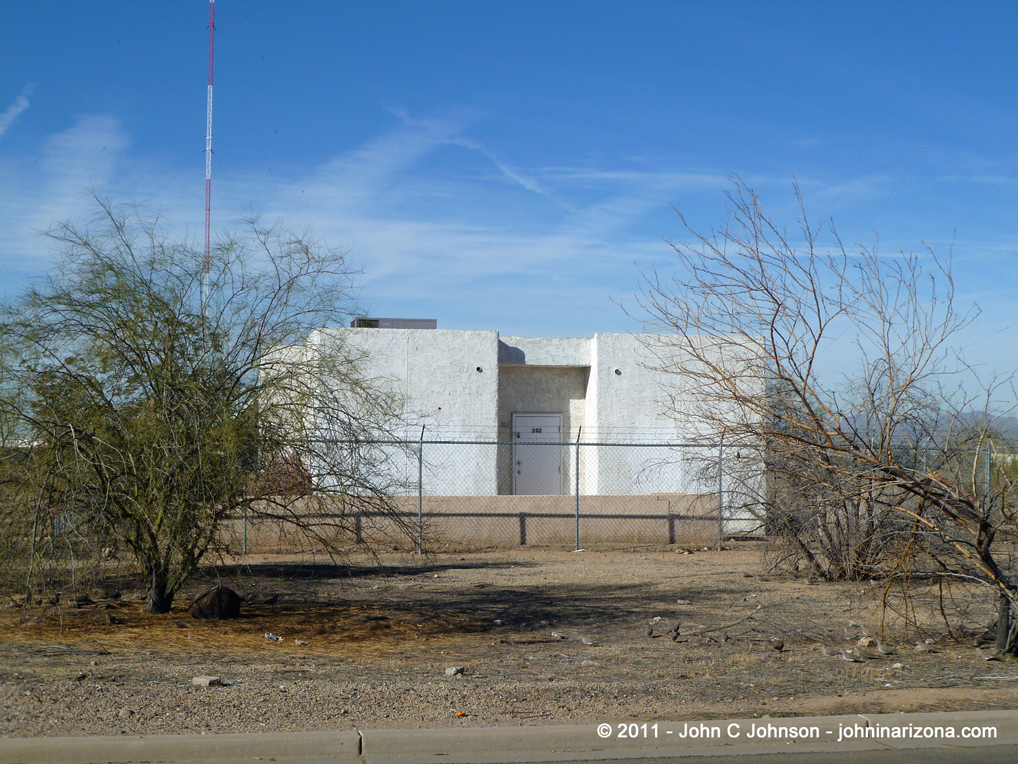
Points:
[[454, 137], [515, 176], [428, 226], [412, 218], [15, 109], [54, 185], [474, 237], [372, 166]]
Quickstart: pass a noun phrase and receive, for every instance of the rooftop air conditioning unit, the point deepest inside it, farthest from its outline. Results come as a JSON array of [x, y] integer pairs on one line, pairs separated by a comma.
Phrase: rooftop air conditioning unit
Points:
[[394, 323]]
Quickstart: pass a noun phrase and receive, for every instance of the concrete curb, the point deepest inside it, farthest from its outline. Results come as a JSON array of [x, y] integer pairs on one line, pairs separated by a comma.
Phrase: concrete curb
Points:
[[626, 740], [340, 747]]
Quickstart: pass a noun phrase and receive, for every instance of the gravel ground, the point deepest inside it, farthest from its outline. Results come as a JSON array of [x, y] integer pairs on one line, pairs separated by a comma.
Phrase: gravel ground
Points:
[[379, 643]]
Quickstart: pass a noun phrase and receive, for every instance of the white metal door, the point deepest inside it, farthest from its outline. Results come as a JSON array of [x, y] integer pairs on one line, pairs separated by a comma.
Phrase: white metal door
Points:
[[537, 464]]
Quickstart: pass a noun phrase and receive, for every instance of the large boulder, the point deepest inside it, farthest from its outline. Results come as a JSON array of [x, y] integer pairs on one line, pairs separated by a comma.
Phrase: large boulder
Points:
[[218, 603]]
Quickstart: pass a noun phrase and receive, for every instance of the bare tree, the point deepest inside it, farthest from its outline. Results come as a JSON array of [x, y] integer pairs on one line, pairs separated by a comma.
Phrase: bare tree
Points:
[[879, 472], [155, 402]]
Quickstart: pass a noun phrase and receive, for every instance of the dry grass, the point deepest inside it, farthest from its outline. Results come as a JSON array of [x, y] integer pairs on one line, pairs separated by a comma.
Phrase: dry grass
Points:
[[333, 628], [409, 619]]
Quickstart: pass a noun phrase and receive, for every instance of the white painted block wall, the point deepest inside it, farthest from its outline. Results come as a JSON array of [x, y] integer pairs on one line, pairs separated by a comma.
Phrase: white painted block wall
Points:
[[451, 382]]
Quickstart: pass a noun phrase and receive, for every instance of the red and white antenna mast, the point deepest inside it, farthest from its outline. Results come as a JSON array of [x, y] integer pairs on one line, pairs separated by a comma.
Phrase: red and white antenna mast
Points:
[[208, 161]]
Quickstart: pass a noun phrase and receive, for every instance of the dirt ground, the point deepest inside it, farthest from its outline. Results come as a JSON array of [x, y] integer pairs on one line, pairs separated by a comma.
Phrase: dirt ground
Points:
[[368, 644]]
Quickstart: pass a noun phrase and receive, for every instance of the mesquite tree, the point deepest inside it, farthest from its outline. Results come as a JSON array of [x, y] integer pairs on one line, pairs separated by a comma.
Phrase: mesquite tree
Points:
[[159, 394], [886, 471]]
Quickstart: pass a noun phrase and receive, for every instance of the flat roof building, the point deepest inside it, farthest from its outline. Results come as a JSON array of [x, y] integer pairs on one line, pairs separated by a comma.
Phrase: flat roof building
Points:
[[533, 397]]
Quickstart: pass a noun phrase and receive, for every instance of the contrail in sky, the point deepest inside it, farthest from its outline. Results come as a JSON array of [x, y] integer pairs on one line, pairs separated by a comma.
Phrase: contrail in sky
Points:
[[19, 105]]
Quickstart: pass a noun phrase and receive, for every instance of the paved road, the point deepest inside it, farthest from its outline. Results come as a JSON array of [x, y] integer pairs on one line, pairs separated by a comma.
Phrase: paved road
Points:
[[951, 738], [999, 754]]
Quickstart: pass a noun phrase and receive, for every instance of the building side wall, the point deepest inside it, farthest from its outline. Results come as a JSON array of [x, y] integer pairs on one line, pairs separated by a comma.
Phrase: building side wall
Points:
[[628, 396], [629, 393], [448, 381]]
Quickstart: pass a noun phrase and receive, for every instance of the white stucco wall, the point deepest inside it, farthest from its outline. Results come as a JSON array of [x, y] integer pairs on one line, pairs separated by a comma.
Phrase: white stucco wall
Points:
[[544, 351], [626, 404], [448, 379], [543, 390], [742, 480], [449, 383], [464, 385]]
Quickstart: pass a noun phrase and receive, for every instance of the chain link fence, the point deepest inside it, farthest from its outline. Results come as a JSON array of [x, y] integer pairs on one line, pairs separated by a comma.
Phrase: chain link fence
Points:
[[465, 495]]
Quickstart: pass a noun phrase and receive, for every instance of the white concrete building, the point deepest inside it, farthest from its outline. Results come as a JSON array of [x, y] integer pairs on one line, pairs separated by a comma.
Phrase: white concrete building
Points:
[[521, 403], [545, 441]]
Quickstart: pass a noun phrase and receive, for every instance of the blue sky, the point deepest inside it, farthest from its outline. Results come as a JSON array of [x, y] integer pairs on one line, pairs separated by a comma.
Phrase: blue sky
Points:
[[511, 166]]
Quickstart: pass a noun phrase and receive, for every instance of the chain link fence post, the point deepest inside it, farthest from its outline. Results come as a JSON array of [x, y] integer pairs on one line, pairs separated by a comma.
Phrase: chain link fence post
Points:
[[576, 478], [420, 493], [721, 499]]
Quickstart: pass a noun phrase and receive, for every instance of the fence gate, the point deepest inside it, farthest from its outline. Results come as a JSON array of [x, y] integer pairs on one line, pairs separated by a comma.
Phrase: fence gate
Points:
[[537, 454]]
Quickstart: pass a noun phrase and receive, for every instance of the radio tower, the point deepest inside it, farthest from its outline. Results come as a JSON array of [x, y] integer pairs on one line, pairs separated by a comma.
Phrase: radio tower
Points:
[[208, 164]]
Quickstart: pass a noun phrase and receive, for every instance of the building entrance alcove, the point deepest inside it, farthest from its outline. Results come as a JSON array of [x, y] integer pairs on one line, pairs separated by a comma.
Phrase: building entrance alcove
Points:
[[537, 454], [538, 406]]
